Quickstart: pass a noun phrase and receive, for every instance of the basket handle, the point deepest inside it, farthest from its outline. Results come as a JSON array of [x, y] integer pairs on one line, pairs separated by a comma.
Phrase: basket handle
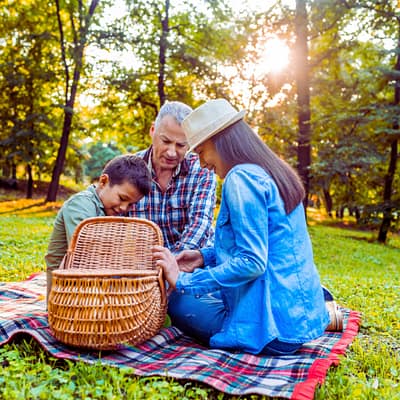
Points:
[[162, 287], [94, 220], [65, 260]]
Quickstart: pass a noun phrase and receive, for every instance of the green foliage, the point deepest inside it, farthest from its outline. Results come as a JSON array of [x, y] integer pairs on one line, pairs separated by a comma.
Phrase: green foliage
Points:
[[152, 51], [353, 111], [28, 80], [98, 155], [170, 53]]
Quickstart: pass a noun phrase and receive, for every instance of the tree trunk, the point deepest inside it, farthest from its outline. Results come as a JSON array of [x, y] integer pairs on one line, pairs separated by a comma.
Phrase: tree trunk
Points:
[[29, 185], [6, 170], [328, 201], [387, 192], [162, 57], [70, 92], [62, 150], [303, 96]]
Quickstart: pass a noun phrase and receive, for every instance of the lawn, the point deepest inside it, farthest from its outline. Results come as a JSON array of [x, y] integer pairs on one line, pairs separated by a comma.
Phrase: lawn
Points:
[[363, 275]]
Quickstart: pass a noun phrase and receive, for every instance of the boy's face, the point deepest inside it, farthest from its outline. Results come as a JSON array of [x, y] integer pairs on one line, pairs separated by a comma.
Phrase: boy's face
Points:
[[117, 198]]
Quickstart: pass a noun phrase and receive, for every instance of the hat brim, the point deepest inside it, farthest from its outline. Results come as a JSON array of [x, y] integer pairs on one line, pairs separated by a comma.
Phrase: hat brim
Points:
[[237, 117]]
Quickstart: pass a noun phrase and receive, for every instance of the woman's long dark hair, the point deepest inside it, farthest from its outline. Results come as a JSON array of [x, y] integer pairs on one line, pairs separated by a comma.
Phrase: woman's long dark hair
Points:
[[239, 144]]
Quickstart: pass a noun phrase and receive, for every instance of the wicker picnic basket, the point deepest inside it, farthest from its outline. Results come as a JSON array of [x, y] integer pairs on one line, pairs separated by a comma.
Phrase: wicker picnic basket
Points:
[[108, 290]]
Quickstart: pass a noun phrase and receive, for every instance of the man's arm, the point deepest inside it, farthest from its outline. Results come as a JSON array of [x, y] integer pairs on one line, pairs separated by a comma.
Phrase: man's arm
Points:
[[198, 231]]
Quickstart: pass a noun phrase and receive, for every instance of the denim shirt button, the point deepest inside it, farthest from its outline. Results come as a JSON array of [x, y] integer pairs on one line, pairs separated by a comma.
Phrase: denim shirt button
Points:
[[182, 291], [197, 296]]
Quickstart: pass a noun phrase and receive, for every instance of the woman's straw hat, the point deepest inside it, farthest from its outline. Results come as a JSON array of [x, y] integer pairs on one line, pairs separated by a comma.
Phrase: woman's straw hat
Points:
[[209, 119]]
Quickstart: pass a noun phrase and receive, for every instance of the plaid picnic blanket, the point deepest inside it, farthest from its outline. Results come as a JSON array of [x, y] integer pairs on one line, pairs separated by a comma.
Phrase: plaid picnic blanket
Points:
[[172, 354]]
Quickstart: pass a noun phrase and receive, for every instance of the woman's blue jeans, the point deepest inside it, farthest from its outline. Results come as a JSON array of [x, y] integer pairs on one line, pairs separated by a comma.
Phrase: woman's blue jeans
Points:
[[199, 316], [202, 316]]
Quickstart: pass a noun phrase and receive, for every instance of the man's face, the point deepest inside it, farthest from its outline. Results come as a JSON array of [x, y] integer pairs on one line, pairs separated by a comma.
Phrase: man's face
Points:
[[169, 144]]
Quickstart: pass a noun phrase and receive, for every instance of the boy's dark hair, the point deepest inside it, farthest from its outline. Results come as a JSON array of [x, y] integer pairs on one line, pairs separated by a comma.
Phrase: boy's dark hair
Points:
[[130, 168]]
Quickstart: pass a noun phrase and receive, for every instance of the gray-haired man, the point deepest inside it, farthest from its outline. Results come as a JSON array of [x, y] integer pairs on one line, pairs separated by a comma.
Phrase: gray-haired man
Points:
[[182, 197]]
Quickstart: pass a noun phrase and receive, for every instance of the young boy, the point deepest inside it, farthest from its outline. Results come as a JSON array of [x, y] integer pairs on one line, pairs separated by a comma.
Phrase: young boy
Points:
[[124, 180]]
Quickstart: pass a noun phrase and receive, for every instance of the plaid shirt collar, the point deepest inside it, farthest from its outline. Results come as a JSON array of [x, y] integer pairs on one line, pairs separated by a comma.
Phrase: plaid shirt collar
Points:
[[181, 169]]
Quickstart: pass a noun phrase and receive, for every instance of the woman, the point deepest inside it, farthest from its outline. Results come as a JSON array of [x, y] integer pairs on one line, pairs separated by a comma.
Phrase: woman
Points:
[[257, 290]]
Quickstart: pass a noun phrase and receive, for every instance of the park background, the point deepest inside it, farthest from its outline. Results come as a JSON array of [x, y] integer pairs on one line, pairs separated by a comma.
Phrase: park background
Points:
[[81, 81]]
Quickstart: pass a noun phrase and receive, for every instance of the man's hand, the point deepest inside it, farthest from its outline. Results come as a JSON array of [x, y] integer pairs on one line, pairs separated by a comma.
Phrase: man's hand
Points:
[[189, 260]]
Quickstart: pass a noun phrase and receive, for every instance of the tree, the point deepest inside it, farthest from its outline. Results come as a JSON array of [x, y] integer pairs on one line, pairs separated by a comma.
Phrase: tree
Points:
[[303, 95], [79, 20], [27, 79], [98, 155], [388, 212], [173, 53], [382, 17], [345, 86]]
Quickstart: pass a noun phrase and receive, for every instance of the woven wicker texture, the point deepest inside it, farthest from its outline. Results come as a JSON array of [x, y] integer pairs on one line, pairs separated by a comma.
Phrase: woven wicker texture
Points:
[[108, 291]]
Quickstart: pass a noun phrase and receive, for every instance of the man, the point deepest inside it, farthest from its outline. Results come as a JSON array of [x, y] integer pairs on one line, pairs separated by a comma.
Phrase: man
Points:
[[182, 197]]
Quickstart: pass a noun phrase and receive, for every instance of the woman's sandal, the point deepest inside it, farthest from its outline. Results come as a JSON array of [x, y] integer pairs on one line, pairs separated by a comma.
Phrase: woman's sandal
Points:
[[335, 313], [336, 317]]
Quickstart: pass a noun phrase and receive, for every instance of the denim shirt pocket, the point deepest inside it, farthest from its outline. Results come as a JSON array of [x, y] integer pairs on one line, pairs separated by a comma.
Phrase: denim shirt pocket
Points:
[[223, 219], [224, 237]]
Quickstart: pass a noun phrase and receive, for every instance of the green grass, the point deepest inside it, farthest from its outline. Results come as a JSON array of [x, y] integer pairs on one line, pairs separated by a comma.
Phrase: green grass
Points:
[[363, 275], [26, 372]]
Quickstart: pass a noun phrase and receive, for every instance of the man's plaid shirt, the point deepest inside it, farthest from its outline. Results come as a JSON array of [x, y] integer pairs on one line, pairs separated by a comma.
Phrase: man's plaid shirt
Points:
[[185, 211]]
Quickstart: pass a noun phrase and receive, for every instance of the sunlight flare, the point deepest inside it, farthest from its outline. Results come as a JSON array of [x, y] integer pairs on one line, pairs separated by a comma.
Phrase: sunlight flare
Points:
[[273, 56]]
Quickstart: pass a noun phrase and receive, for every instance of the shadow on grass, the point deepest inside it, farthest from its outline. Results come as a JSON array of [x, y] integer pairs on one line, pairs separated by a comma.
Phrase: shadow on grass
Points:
[[30, 208], [352, 226], [372, 240]]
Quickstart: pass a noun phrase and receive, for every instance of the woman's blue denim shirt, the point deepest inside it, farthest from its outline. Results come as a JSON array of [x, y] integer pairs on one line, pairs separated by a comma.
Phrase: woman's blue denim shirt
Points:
[[262, 262]]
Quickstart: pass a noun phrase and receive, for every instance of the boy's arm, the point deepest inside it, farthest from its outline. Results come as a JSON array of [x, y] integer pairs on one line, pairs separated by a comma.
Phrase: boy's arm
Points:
[[73, 212], [76, 211]]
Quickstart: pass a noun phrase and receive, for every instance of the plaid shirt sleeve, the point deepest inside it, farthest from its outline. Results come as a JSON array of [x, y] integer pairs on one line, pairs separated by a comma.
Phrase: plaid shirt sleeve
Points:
[[198, 231], [185, 212]]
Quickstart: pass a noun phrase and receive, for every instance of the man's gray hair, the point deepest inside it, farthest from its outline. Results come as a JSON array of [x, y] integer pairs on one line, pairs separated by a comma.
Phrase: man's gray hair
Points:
[[179, 111]]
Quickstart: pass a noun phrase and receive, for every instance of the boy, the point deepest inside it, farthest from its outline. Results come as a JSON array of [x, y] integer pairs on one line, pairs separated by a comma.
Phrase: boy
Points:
[[124, 181]]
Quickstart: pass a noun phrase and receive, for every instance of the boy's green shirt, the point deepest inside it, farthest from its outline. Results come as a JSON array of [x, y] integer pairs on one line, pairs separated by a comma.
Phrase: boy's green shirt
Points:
[[82, 205]]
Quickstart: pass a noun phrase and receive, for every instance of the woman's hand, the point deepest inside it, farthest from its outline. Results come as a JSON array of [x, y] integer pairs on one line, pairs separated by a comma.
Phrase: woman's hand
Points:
[[166, 260], [189, 260]]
